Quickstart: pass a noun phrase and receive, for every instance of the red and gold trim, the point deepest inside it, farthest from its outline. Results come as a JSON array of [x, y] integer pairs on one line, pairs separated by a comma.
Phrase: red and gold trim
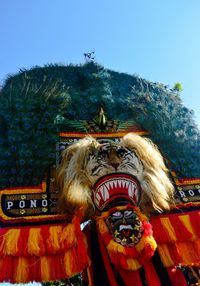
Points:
[[101, 134], [184, 181], [187, 181]]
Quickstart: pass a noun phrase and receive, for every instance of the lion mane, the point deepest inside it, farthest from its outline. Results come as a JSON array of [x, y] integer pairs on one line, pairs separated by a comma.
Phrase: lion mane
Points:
[[75, 183]]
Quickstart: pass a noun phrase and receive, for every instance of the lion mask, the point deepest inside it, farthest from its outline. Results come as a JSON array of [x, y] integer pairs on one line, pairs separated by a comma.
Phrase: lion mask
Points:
[[91, 171]]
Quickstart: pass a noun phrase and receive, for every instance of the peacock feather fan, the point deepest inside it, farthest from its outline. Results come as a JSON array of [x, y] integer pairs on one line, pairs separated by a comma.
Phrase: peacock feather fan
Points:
[[38, 103]]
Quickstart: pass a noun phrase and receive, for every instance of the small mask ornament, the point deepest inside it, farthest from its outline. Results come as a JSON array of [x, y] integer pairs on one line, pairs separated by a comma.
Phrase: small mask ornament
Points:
[[125, 226]]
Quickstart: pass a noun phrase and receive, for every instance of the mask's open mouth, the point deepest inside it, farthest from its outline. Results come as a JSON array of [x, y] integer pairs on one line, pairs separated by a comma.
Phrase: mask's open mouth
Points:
[[114, 189]]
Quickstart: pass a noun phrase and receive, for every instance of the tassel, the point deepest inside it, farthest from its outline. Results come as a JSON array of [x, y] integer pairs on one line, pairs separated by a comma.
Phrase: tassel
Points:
[[115, 247], [146, 242], [169, 228], [10, 242], [133, 264], [69, 263], [102, 226], [45, 269], [53, 241], [160, 233], [68, 236], [175, 253], [185, 219], [195, 222], [187, 252], [182, 227], [165, 255], [35, 243], [22, 271]]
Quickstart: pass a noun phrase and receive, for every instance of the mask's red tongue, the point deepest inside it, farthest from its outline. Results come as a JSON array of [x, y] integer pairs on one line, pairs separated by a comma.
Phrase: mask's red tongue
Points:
[[126, 232]]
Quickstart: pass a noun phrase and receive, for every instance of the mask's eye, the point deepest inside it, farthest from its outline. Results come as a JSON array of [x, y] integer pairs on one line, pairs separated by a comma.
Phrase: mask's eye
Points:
[[102, 153], [117, 215], [121, 152], [129, 214]]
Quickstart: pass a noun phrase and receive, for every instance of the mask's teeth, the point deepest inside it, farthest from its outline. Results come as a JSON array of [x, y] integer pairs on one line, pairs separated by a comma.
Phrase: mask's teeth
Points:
[[115, 183], [127, 184], [119, 183], [111, 184], [97, 199], [131, 190], [104, 192], [124, 184], [124, 226]]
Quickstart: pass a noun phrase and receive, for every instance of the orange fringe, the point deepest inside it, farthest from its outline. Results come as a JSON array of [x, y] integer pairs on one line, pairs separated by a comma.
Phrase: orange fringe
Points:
[[42, 253], [181, 245]]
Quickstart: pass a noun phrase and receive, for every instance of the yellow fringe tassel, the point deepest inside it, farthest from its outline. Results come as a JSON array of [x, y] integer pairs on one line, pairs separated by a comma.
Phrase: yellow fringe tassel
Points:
[[21, 273], [115, 247], [68, 262], [133, 264], [187, 252], [168, 227], [9, 244], [145, 240], [185, 219], [68, 235], [54, 237], [165, 256], [102, 226], [45, 269], [34, 241]]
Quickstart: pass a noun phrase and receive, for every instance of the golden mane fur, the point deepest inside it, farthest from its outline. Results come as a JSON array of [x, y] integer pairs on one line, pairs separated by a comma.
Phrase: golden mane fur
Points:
[[76, 186]]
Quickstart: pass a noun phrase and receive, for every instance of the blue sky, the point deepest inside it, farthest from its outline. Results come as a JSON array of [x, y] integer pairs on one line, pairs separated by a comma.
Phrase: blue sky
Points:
[[158, 40]]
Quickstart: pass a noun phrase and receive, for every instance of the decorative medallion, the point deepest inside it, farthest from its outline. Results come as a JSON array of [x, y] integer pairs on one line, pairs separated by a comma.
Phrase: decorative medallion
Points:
[[125, 226]]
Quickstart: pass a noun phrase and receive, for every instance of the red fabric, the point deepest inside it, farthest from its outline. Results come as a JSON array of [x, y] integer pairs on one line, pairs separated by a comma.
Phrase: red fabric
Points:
[[176, 276], [182, 233], [195, 221], [107, 263], [130, 277], [160, 234], [151, 275]]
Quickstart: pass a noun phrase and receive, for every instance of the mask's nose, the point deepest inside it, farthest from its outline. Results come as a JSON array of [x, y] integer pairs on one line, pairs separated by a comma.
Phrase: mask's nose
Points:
[[115, 165], [114, 159]]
